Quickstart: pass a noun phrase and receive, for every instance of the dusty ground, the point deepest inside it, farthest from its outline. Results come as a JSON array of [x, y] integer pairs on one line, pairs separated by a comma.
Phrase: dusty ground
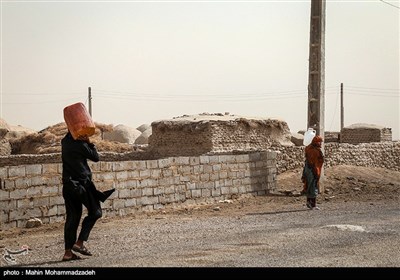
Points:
[[342, 184], [246, 231]]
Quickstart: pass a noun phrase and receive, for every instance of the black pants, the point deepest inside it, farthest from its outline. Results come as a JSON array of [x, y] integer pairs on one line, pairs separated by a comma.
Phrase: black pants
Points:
[[73, 208]]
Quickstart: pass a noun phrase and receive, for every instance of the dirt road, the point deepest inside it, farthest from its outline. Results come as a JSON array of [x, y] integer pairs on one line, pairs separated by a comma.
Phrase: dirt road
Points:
[[358, 226]]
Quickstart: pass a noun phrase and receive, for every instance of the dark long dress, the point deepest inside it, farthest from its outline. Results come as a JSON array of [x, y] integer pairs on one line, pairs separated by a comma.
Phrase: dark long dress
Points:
[[78, 189]]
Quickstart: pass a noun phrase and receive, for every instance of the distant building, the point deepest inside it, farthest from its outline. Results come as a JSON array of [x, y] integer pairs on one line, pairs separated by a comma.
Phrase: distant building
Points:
[[365, 133], [216, 133]]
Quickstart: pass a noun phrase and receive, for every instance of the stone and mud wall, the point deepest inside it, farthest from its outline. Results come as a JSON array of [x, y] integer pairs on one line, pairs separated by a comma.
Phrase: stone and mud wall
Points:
[[365, 133], [213, 133], [382, 154], [30, 185]]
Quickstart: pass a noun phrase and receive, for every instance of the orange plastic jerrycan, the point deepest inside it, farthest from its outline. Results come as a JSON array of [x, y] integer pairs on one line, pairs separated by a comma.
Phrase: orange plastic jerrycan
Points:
[[79, 121]]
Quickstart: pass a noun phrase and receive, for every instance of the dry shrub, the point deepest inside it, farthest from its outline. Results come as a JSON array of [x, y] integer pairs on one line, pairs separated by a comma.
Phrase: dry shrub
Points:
[[49, 139], [111, 146], [32, 143]]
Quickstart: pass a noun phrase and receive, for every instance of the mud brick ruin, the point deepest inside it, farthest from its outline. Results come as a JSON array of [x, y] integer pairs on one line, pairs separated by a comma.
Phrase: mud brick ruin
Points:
[[216, 133], [365, 133]]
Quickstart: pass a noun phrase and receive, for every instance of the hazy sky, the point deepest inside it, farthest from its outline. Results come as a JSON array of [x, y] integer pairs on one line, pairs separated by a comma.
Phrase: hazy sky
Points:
[[151, 60]]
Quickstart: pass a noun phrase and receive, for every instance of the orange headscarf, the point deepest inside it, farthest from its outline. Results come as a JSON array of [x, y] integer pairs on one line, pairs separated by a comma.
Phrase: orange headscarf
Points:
[[314, 155], [317, 140]]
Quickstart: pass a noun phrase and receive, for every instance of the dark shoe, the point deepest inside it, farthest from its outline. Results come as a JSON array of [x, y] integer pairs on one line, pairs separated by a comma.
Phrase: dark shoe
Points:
[[83, 250], [72, 258], [309, 205]]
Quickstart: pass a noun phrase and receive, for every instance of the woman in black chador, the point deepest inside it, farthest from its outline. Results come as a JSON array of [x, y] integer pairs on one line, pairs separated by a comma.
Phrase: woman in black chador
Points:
[[78, 190]]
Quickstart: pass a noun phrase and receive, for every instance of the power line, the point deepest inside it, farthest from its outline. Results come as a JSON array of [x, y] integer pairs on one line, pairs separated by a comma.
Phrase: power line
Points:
[[368, 94], [231, 97], [385, 89], [100, 91], [204, 99], [390, 4], [195, 97], [40, 102], [42, 93], [334, 112]]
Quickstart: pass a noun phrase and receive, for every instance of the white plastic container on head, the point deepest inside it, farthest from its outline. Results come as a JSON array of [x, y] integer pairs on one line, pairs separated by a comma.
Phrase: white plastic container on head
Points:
[[309, 136]]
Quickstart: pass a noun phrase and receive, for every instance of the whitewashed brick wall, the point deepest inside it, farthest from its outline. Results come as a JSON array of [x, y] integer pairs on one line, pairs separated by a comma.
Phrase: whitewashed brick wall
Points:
[[35, 190]]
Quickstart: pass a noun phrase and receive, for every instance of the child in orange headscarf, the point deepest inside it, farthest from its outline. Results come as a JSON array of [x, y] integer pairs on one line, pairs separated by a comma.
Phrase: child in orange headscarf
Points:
[[312, 171]]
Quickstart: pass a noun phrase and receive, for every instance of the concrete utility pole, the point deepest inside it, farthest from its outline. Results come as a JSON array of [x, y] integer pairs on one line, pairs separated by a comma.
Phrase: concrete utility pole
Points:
[[90, 100], [316, 77]]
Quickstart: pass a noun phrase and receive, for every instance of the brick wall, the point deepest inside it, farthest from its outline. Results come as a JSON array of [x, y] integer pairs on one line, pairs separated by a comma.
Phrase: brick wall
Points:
[[35, 190]]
